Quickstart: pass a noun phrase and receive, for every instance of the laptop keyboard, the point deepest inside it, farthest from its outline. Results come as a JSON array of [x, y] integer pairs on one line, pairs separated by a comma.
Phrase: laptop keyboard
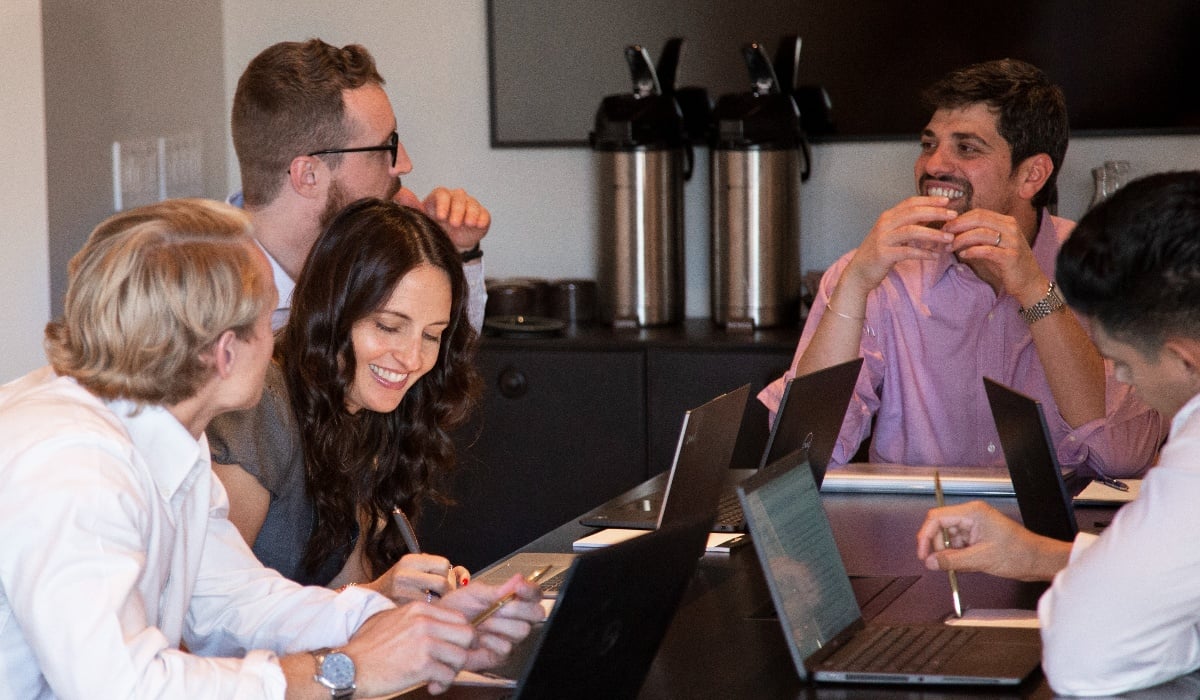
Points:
[[900, 649], [554, 583], [729, 512]]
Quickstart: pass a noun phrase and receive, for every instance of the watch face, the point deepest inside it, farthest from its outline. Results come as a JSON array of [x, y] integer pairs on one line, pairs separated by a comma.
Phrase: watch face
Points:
[[338, 669]]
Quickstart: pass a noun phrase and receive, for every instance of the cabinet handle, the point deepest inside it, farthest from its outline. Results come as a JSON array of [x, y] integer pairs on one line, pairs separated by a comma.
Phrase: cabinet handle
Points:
[[512, 383]]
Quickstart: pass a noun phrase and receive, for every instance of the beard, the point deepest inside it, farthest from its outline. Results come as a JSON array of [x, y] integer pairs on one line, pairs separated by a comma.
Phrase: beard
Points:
[[334, 203]]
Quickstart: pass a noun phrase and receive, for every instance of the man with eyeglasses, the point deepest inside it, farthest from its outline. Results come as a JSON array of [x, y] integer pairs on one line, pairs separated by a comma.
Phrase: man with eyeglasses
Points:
[[314, 131]]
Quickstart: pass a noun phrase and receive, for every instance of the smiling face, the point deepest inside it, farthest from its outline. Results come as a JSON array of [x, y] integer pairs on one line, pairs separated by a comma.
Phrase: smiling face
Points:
[[963, 157], [398, 343]]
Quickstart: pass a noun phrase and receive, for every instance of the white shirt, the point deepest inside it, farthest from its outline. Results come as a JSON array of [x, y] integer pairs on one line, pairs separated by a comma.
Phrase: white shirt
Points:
[[1125, 613], [476, 292], [116, 547]]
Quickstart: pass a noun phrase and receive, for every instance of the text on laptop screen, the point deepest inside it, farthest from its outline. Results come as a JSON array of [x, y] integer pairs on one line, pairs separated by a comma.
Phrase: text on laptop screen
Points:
[[798, 543]]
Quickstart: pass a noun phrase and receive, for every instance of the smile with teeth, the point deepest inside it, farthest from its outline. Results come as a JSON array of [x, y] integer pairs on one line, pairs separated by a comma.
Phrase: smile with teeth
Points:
[[943, 191], [387, 375]]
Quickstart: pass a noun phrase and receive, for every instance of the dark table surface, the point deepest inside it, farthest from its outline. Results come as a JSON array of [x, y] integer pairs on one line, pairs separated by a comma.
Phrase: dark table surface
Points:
[[726, 643]]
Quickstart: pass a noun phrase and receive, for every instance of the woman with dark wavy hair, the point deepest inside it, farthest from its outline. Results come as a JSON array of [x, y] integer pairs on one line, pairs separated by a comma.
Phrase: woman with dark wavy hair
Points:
[[370, 374]]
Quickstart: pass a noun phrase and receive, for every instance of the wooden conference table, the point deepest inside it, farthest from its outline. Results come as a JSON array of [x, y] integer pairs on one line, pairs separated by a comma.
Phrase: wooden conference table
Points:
[[725, 641]]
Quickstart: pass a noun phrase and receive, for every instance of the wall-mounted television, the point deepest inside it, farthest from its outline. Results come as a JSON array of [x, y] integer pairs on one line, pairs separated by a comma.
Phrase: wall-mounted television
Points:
[[1126, 67]]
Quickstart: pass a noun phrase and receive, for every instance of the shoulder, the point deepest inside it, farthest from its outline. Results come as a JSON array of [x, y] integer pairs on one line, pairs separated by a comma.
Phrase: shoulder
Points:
[[263, 440]]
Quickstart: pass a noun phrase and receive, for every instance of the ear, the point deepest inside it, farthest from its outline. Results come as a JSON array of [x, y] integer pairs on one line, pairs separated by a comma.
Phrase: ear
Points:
[[225, 354], [1032, 174], [306, 175]]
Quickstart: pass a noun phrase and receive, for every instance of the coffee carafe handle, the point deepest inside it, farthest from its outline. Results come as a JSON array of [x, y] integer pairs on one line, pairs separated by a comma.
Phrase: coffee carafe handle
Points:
[[645, 81]]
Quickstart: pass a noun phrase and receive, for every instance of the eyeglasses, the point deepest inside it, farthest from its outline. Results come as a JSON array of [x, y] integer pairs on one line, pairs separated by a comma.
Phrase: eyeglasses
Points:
[[391, 146]]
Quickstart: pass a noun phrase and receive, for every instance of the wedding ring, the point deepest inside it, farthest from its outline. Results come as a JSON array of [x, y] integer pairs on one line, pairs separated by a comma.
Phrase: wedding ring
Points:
[[997, 243], [428, 596]]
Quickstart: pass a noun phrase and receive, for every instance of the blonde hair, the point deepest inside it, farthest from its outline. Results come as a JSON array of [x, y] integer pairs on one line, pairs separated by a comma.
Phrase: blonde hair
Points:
[[149, 292]]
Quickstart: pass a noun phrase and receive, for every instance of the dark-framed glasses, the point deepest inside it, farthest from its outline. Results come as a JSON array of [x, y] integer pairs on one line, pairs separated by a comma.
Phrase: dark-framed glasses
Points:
[[393, 143]]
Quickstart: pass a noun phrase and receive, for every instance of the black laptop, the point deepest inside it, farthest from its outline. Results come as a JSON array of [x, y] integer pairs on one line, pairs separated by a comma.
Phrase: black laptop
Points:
[[706, 442], [809, 418], [612, 613], [1042, 496], [822, 623]]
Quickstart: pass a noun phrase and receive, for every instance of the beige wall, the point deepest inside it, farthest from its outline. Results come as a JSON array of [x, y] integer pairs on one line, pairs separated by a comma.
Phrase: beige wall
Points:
[[24, 280]]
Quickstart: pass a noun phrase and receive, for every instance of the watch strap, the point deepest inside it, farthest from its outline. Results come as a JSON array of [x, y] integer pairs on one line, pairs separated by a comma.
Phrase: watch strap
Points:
[[1044, 307]]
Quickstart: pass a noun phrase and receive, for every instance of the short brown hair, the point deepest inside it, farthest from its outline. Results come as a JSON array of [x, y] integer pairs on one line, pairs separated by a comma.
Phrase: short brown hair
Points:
[[1031, 111], [149, 292], [288, 103]]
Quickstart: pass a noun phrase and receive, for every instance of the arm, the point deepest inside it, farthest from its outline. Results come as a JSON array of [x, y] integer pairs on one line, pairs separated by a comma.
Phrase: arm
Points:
[[983, 539], [466, 221], [1074, 368], [248, 500], [899, 234]]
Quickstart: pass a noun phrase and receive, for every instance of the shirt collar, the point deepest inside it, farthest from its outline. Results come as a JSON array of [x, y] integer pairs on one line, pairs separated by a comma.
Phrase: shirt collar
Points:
[[285, 285], [171, 454]]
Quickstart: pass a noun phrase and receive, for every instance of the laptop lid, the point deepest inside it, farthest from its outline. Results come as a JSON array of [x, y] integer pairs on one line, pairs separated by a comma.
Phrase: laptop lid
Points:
[[815, 601], [612, 613], [702, 456], [1037, 479], [810, 415]]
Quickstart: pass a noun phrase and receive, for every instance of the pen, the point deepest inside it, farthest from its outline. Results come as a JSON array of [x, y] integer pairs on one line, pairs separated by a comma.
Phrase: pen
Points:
[[1112, 483], [533, 577], [410, 541], [941, 501]]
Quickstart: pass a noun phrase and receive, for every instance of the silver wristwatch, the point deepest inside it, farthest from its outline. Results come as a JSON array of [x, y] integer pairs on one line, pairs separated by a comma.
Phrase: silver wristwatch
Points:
[[1045, 306], [335, 671]]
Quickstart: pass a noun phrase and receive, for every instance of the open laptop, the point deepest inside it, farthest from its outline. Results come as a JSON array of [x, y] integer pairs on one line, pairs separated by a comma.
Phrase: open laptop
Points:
[[810, 416], [612, 613], [706, 444], [1037, 479], [706, 441], [822, 623]]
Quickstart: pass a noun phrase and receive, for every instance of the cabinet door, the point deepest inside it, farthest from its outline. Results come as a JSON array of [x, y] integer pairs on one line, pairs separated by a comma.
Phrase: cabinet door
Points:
[[679, 380], [558, 432]]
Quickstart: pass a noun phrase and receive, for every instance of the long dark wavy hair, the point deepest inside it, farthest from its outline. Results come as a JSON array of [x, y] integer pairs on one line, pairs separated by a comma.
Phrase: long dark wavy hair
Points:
[[370, 461]]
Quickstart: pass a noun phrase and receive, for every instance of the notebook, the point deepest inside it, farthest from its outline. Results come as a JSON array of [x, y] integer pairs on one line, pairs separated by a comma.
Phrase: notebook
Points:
[[706, 443], [822, 623], [613, 612], [702, 455], [1037, 479]]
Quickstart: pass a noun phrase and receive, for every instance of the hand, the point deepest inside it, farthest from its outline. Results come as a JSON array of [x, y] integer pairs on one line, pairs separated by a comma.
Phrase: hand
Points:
[[984, 539], [399, 649], [416, 575], [907, 231], [465, 220], [996, 249], [509, 625]]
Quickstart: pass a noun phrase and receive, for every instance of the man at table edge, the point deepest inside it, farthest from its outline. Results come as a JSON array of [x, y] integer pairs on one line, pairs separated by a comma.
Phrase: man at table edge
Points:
[[1123, 611], [956, 283]]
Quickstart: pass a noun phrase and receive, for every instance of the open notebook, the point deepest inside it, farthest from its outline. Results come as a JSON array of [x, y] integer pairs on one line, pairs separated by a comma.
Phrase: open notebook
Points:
[[822, 623]]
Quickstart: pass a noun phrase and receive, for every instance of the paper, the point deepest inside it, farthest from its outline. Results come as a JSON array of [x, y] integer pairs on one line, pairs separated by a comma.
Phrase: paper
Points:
[[1002, 617], [718, 542], [1096, 493]]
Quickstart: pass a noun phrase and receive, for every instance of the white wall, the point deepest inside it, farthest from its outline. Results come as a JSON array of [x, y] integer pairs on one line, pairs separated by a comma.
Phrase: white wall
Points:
[[434, 56], [24, 270]]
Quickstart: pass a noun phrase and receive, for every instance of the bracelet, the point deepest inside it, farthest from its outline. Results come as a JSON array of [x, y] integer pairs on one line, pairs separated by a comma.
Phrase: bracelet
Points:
[[472, 254], [848, 317]]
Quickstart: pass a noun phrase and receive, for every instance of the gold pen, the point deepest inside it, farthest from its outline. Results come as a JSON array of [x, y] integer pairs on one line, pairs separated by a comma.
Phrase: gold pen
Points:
[[533, 577], [941, 501]]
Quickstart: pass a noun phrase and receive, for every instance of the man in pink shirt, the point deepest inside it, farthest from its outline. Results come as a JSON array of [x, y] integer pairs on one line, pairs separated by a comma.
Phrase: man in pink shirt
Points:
[[956, 284]]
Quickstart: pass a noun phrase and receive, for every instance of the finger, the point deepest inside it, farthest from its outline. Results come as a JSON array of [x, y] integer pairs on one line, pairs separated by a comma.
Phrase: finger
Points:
[[459, 202], [461, 576]]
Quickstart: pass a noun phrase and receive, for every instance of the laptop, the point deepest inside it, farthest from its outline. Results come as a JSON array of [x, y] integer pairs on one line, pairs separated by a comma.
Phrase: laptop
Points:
[[1042, 496], [810, 416], [705, 446], [611, 616], [702, 455], [822, 623]]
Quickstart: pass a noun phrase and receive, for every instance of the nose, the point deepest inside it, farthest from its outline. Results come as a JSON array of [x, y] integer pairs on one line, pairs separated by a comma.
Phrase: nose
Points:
[[407, 352], [936, 161], [403, 165]]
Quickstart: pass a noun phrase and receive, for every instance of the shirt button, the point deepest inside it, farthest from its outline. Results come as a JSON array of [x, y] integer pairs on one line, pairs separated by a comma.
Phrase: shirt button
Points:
[[991, 448], [991, 314]]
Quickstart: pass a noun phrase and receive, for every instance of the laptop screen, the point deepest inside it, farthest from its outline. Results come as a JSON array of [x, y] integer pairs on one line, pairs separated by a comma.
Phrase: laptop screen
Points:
[[799, 556]]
